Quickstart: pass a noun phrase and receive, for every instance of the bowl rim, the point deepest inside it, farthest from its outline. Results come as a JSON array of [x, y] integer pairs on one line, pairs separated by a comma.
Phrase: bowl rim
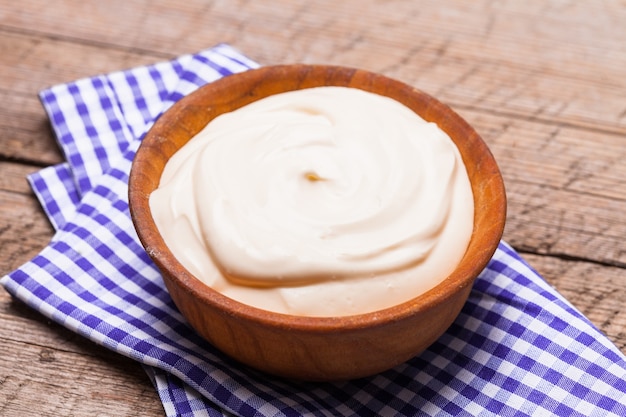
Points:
[[356, 78]]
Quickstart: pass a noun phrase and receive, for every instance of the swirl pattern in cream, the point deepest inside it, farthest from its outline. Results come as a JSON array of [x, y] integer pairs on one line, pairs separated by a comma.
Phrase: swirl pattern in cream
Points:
[[323, 202]]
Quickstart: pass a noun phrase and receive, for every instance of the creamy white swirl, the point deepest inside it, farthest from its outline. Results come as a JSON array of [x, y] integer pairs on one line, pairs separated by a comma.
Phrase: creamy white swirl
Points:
[[324, 201]]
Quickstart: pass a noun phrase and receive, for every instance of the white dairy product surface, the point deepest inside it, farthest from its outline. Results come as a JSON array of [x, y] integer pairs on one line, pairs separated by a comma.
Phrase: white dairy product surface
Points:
[[328, 201]]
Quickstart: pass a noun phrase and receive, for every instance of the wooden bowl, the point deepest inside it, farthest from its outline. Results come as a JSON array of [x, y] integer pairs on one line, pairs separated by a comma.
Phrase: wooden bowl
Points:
[[312, 348]]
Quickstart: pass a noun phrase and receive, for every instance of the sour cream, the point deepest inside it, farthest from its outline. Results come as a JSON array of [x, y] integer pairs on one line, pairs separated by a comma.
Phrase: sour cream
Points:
[[328, 201]]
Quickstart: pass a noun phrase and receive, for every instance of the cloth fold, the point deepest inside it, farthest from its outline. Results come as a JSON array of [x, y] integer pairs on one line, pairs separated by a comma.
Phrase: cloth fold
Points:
[[517, 348]]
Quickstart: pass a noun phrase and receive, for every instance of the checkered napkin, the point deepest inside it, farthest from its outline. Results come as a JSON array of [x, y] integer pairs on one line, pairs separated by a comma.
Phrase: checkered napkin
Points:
[[517, 348]]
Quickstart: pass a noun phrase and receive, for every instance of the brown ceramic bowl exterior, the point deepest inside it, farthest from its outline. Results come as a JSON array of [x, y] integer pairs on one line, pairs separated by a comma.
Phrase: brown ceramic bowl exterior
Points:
[[309, 348]]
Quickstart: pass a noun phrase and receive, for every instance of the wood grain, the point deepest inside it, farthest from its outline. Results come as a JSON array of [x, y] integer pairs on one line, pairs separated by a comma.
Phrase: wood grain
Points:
[[596, 290], [541, 81]]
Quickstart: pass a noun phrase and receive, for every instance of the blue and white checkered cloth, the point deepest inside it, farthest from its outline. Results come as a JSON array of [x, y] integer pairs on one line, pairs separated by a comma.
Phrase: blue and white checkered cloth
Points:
[[517, 349]]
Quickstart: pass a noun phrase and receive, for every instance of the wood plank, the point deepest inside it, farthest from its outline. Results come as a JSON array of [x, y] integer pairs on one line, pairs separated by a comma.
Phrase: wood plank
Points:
[[24, 229], [25, 132], [564, 185], [30, 64], [567, 224], [484, 58], [597, 291], [587, 161], [13, 177]]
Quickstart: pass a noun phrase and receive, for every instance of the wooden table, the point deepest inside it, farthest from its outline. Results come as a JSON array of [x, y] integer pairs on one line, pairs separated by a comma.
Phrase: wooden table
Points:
[[544, 82]]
